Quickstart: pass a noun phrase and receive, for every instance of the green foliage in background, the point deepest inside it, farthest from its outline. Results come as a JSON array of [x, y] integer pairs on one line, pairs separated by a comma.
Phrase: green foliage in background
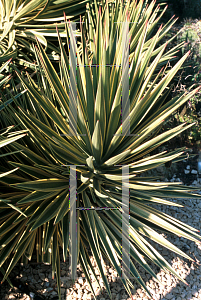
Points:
[[190, 75], [40, 188], [191, 8], [190, 34], [184, 8]]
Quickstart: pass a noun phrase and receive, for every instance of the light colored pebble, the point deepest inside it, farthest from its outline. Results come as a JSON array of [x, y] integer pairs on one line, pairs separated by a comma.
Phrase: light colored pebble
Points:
[[80, 281]]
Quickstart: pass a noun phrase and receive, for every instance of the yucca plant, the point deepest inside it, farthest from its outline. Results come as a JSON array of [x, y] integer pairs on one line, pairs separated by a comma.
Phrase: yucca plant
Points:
[[40, 188], [8, 136], [23, 20]]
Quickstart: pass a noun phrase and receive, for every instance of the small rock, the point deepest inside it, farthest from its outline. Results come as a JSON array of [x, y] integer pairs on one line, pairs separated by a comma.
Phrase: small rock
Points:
[[194, 182], [38, 286], [24, 278], [63, 272], [34, 281], [194, 172], [80, 281], [77, 286], [54, 293], [186, 171], [169, 296], [88, 288], [65, 278], [37, 278], [183, 295], [113, 295], [188, 167], [193, 292], [42, 276]]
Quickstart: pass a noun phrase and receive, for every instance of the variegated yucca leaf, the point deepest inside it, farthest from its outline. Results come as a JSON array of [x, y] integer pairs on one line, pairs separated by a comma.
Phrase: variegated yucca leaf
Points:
[[40, 188], [23, 20], [7, 136]]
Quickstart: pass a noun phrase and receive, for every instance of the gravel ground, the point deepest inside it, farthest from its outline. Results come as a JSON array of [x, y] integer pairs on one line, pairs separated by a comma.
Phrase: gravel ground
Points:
[[39, 277]]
